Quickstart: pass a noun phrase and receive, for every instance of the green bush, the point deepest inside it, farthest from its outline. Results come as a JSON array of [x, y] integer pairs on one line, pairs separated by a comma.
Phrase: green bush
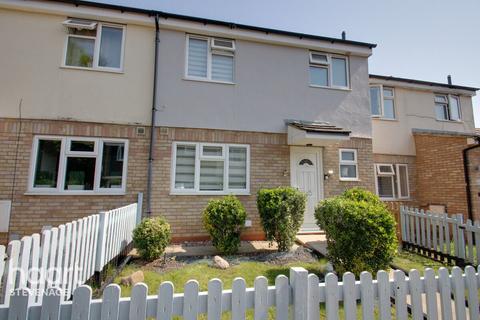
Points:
[[224, 220], [281, 211], [360, 231], [151, 237]]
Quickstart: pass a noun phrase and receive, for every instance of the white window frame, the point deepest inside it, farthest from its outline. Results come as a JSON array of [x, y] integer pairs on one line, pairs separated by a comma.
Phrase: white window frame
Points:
[[96, 49], [199, 157], [399, 196], [211, 50], [449, 98], [382, 102], [328, 65], [65, 153], [395, 178], [347, 162]]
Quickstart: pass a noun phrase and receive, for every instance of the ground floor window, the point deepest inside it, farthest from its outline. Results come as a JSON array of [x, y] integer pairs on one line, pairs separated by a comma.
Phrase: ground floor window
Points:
[[78, 165], [348, 164], [392, 181], [204, 168]]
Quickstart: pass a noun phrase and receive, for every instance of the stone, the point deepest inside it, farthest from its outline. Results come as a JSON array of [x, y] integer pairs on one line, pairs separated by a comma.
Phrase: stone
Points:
[[220, 263], [133, 279]]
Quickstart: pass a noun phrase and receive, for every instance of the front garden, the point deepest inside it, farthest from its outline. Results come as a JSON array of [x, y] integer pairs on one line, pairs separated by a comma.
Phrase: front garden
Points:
[[360, 237]]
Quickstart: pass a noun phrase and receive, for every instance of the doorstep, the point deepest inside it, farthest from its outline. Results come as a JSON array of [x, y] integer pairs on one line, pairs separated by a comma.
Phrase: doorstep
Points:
[[317, 242]]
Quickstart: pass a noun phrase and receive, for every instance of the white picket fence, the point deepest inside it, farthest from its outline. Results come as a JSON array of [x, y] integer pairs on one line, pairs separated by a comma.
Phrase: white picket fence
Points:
[[66, 256], [443, 234], [298, 298]]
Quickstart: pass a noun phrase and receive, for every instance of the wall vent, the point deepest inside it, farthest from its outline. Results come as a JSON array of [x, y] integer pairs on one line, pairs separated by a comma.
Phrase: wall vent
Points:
[[140, 131]]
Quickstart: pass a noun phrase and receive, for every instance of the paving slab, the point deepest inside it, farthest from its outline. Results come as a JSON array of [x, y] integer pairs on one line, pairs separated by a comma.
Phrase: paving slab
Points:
[[316, 242]]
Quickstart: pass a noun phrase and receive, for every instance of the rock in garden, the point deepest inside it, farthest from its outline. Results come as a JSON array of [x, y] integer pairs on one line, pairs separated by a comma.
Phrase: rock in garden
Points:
[[132, 279], [220, 263]]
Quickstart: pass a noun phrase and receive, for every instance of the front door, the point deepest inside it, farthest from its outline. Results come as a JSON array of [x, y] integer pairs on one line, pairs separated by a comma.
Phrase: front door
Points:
[[306, 171]]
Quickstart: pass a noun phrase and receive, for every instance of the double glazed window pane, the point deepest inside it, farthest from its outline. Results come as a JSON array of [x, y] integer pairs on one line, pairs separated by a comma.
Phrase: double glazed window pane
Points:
[[197, 57], [385, 186], [110, 47], [348, 156], [80, 52], [403, 182], [237, 170], [48, 158], [388, 109], [112, 165], [82, 146], [319, 76], [348, 171], [454, 108], [339, 72], [375, 102], [211, 175], [441, 111], [80, 173], [222, 68], [185, 167]]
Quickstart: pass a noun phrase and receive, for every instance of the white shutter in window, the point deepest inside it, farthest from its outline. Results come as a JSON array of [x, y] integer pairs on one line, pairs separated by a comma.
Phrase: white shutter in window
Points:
[[211, 175], [237, 168], [222, 67], [185, 167], [197, 57]]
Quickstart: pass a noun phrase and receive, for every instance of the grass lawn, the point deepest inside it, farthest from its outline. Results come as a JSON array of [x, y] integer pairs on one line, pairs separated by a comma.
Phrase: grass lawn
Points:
[[203, 272], [407, 261]]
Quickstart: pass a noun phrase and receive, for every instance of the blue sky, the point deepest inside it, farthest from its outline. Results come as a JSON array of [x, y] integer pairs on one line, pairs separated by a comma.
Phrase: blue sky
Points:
[[421, 39]]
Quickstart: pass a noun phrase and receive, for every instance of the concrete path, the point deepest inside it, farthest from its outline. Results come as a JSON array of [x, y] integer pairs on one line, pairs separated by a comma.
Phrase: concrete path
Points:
[[316, 242]]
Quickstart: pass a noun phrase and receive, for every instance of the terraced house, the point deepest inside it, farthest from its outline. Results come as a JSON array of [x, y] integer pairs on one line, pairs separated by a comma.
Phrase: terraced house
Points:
[[100, 102]]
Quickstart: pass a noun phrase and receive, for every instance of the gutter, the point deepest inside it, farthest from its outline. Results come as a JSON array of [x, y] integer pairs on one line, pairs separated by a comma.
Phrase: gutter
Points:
[[154, 114], [466, 170]]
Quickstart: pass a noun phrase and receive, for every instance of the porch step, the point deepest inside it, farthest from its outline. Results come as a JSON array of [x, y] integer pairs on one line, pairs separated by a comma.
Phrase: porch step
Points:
[[317, 242]]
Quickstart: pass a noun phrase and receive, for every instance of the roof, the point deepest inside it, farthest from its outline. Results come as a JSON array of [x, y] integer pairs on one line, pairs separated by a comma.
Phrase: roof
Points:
[[422, 82], [323, 127], [419, 131], [231, 25]]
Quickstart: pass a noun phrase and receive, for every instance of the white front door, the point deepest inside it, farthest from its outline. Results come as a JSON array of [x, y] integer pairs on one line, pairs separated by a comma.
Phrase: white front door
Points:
[[306, 173]]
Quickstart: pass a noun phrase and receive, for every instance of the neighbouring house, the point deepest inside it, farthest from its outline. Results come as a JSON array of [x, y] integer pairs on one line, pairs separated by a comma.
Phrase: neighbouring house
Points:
[[420, 130], [237, 108]]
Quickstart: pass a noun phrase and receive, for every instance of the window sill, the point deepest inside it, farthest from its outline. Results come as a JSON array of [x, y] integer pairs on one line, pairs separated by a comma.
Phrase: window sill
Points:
[[73, 193], [207, 193], [209, 81], [385, 119], [450, 121], [395, 199], [350, 180], [330, 88], [119, 71]]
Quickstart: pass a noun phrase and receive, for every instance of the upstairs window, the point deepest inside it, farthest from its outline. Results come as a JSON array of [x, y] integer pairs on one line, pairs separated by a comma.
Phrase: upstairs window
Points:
[[327, 70], [94, 45], [382, 102], [392, 181], [447, 107], [78, 165], [210, 59], [200, 168]]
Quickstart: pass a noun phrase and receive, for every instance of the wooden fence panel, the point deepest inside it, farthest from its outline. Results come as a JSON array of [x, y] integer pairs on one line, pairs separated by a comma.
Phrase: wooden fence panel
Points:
[[66, 256], [191, 304]]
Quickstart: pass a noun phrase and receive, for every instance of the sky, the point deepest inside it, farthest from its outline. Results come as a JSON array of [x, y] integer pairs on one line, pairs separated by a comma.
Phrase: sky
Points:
[[419, 39]]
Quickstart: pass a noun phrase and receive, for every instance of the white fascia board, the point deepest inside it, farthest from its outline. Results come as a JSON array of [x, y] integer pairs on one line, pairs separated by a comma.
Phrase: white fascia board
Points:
[[112, 15], [421, 87], [258, 36]]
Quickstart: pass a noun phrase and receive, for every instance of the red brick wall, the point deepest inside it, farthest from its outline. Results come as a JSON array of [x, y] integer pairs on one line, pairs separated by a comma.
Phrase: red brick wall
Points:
[[31, 212], [269, 167], [440, 173]]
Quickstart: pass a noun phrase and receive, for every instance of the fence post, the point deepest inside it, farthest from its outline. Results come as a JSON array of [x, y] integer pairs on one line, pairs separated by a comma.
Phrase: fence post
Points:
[[102, 233], [299, 284], [461, 236], [402, 224], [139, 207]]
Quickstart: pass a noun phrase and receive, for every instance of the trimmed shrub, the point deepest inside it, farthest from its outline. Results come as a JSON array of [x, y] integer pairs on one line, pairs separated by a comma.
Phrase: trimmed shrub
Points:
[[151, 237], [281, 211], [360, 231], [224, 220]]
